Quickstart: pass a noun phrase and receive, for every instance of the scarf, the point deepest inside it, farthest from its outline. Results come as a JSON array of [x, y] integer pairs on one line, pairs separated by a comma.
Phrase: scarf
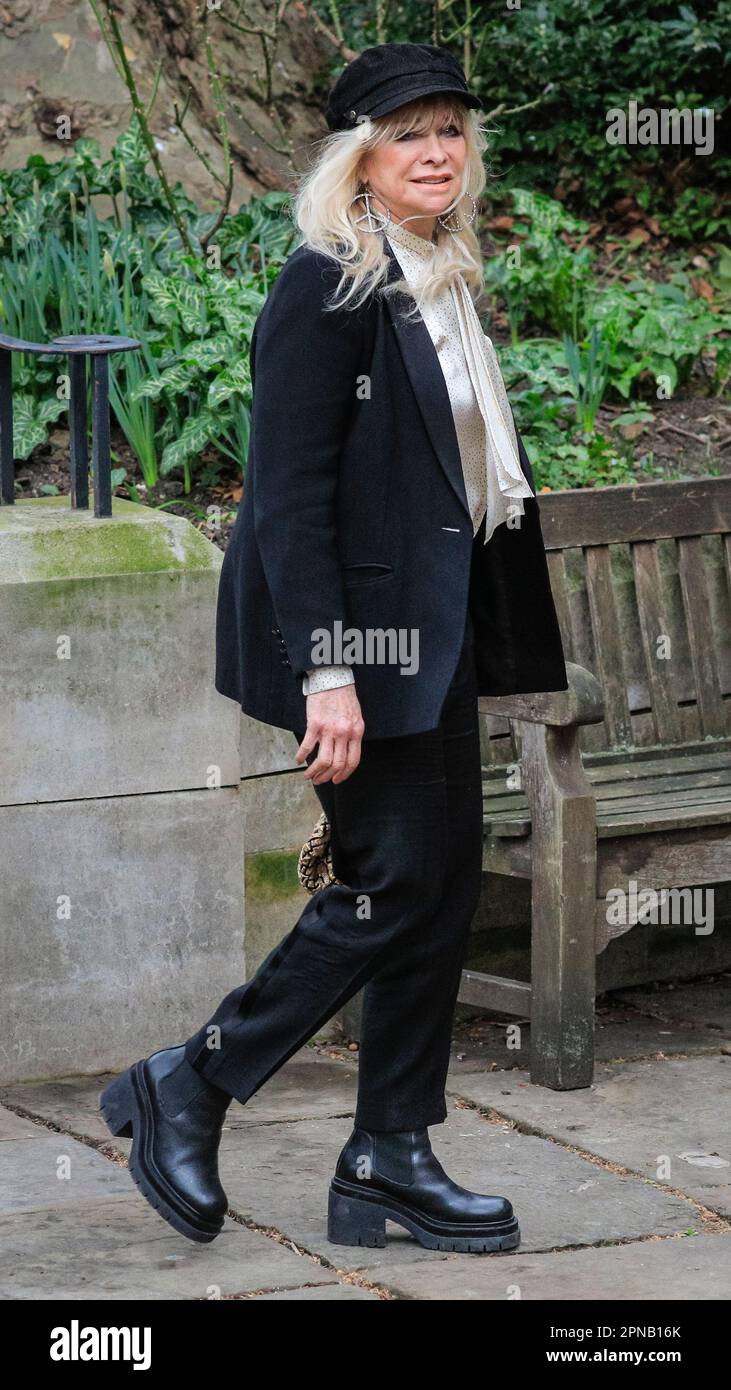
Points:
[[506, 483]]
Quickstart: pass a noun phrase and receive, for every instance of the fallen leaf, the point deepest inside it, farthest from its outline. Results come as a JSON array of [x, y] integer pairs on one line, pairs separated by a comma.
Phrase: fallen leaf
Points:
[[502, 224], [702, 289]]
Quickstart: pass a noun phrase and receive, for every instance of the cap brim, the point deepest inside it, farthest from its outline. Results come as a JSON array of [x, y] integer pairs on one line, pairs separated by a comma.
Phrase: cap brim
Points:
[[393, 103]]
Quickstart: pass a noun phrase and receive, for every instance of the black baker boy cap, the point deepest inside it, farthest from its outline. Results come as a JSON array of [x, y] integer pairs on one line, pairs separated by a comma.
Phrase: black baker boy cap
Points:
[[389, 75]]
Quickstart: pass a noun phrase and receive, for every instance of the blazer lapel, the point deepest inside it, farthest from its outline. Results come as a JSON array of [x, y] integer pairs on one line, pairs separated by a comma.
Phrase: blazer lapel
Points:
[[427, 379]]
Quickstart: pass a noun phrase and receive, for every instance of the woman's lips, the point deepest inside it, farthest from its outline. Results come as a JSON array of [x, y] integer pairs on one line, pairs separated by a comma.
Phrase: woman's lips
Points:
[[443, 178]]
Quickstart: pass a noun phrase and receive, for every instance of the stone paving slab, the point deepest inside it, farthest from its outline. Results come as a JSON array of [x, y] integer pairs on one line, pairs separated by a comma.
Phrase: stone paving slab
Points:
[[308, 1085], [16, 1127], [278, 1175], [124, 1250], [91, 1236], [633, 1114], [688, 1269], [621, 1034], [692, 1018], [53, 1171], [72, 1103], [703, 1003]]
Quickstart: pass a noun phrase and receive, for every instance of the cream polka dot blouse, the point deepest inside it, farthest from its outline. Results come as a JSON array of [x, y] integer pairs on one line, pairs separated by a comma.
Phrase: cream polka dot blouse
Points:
[[494, 480]]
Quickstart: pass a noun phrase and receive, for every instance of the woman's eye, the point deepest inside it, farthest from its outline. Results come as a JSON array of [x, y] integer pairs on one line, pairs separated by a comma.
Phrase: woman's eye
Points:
[[415, 134]]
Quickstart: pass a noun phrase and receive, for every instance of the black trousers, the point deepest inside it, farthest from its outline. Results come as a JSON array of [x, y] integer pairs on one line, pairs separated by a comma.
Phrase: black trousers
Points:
[[406, 832]]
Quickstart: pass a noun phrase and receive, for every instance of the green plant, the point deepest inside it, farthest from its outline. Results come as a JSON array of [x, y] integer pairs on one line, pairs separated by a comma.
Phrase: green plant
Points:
[[656, 330], [182, 398], [540, 275], [589, 375]]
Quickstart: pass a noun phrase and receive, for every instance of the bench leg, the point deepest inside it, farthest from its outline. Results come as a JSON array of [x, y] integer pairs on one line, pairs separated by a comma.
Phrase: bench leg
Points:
[[563, 948]]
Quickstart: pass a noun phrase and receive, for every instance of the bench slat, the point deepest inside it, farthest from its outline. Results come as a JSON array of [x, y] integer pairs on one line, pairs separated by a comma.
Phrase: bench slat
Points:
[[608, 644], [654, 624], [631, 757], [664, 860], [688, 779], [699, 626], [559, 587], [619, 807], [630, 770], [495, 992], [641, 771], [669, 801], [646, 512], [628, 823]]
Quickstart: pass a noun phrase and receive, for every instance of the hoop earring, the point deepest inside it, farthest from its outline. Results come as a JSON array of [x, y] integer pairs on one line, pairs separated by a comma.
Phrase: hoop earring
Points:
[[366, 218], [444, 221]]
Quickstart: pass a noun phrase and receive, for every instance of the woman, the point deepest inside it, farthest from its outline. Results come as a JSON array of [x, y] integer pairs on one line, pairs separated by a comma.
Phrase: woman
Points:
[[361, 607]]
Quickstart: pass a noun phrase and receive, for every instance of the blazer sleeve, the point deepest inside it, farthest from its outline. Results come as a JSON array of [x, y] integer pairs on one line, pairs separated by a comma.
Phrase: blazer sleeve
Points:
[[304, 373]]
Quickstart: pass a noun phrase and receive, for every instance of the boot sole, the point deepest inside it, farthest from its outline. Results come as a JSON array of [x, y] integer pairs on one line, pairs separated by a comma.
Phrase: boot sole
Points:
[[360, 1220], [128, 1111]]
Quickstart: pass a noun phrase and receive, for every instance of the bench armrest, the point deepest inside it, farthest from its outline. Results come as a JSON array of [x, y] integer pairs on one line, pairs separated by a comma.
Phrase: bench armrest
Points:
[[582, 703]]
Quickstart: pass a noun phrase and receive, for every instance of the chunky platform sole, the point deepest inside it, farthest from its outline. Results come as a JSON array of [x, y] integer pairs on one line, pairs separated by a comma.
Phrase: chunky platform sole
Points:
[[359, 1220], [128, 1111]]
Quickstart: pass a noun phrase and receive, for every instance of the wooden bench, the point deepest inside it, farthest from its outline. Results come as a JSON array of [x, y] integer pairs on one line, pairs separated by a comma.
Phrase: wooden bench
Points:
[[627, 775]]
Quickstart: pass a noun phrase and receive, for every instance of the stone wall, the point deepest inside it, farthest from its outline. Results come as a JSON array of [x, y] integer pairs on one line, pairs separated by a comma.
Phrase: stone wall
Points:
[[122, 871]]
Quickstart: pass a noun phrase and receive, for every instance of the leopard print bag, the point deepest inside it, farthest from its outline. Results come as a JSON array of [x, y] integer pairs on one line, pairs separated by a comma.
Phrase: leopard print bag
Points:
[[314, 867]]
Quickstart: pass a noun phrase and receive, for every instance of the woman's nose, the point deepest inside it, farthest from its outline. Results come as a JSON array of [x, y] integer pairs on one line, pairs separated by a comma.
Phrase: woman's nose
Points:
[[434, 149]]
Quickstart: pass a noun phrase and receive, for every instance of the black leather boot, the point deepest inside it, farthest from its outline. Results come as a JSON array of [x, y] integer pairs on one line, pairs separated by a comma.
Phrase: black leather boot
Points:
[[175, 1118], [383, 1176]]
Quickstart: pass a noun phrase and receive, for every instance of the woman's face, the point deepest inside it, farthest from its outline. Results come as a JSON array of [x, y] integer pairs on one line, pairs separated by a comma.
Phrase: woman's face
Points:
[[418, 174]]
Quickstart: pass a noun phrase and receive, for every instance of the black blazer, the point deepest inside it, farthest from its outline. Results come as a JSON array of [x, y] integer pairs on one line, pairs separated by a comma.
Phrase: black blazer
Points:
[[354, 515]]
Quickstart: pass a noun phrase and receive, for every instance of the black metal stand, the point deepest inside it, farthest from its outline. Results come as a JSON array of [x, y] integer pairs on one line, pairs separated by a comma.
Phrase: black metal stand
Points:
[[77, 348]]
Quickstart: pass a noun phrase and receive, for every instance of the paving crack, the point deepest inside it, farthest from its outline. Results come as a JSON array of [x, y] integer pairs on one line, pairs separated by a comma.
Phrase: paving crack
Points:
[[713, 1222], [344, 1276], [114, 1155]]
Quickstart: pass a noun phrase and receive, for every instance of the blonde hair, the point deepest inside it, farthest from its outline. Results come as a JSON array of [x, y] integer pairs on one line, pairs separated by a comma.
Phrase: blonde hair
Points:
[[325, 212]]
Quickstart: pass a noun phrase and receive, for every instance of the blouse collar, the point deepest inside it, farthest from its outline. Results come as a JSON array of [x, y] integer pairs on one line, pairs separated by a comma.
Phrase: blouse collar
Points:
[[403, 237]]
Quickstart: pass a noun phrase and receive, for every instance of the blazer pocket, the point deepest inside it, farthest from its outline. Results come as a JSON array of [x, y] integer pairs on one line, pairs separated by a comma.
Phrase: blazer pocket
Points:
[[364, 573]]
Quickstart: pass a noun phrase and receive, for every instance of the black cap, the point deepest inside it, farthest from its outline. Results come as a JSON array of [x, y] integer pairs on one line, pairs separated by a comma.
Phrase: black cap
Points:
[[389, 75]]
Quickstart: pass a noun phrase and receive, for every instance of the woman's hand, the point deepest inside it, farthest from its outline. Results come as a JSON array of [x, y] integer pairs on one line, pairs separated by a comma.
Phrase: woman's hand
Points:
[[334, 721]]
